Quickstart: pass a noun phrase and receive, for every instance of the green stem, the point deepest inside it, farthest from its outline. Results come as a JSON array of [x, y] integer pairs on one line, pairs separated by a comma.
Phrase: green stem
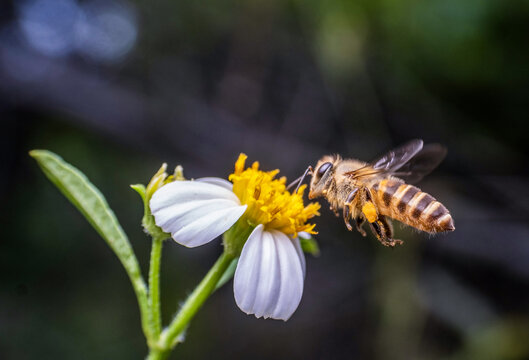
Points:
[[194, 302], [157, 354], [154, 286], [138, 284]]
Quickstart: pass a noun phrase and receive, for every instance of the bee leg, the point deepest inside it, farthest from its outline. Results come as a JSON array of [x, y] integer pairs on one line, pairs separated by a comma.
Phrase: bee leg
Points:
[[369, 210], [347, 217], [359, 222], [347, 207], [379, 224], [384, 232], [378, 229], [389, 231]]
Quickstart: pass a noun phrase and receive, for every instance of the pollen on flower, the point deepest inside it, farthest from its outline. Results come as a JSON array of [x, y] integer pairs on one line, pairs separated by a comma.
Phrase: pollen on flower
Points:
[[269, 203]]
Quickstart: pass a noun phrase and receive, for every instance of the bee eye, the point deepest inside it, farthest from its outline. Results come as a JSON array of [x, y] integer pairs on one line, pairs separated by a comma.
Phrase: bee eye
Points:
[[323, 169]]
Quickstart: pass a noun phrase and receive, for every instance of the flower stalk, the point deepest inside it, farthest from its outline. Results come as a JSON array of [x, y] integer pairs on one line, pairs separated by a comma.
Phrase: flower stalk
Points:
[[162, 343], [154, 286], [158, 354]]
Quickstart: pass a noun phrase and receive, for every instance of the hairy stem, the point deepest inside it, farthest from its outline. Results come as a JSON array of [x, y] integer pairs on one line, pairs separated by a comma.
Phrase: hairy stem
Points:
[[154, 286], [157, 354]]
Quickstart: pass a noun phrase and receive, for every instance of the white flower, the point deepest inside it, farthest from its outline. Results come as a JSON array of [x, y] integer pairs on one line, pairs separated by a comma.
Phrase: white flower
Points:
[[269, 277], [270, 273], [195, 212]]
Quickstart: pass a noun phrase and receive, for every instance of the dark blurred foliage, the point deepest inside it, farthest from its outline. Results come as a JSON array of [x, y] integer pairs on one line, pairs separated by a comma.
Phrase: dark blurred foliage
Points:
[[117, 88]]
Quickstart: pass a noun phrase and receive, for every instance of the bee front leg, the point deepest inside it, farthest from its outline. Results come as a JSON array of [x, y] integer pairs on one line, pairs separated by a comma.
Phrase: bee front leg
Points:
[[348, 207]]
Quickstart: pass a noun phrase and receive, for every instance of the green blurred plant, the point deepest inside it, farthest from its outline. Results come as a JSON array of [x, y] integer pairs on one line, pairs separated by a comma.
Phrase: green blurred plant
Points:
[[93, 205]]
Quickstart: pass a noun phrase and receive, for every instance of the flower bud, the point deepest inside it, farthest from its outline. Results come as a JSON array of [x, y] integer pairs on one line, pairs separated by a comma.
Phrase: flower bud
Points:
[[161, 178], [158, 180]]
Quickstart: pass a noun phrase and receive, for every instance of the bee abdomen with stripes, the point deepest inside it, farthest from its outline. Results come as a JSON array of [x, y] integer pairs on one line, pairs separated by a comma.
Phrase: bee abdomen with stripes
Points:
[[408, 204]]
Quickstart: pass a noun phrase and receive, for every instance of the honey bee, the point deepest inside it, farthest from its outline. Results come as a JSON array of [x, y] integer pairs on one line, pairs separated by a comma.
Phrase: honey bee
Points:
[[378, 190]]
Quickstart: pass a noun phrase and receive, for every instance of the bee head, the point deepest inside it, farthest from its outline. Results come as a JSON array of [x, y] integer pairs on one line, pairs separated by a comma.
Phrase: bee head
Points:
[[321, 176]]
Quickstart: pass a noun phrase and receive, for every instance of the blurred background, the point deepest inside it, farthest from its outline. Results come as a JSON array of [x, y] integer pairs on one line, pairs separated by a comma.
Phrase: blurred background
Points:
[[118, 87]]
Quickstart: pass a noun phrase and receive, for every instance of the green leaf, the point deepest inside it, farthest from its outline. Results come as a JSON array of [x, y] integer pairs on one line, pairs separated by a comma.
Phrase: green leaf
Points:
[[87, 199], [228, 274], [310, 245], [92, 204]]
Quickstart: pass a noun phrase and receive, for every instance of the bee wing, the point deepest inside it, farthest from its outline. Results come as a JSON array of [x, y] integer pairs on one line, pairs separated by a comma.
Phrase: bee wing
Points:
[[396, 158], [422, 164], [391, 161]]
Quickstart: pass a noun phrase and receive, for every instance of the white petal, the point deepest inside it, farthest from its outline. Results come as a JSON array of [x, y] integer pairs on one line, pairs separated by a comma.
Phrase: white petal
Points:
[[195, 212], [182, 191], [217, 181], [301, 255], [269, 276], [304, 235], [292, 264]]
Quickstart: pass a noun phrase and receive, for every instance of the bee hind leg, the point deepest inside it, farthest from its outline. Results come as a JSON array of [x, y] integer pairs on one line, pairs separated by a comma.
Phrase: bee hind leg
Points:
[[384, 232], [389, 231], [359, 222]]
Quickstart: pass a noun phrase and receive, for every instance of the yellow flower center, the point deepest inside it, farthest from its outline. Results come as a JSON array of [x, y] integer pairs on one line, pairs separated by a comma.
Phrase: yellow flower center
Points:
[[269, 202]]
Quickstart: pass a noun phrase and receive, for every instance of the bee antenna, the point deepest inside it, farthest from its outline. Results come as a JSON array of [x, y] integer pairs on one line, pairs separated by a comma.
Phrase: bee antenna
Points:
[[300, 179], [294, 182]]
